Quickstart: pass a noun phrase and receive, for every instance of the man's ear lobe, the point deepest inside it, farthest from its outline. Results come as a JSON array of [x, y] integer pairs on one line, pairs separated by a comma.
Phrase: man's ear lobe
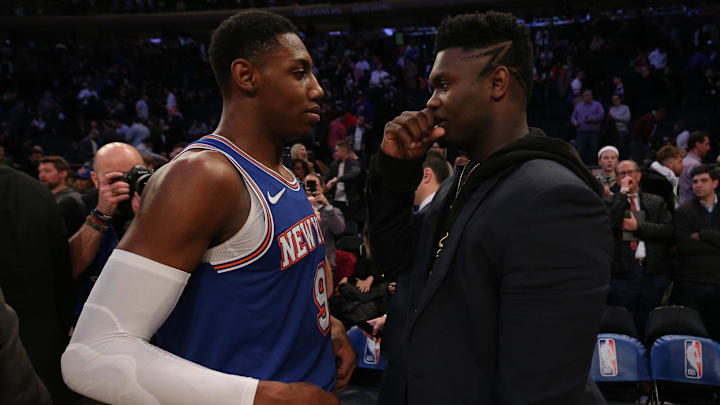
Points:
[[244, 75]]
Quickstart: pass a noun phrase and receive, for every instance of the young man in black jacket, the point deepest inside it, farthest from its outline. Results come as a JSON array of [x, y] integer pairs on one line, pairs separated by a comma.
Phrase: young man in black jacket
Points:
[[512, 257], [697, 233]]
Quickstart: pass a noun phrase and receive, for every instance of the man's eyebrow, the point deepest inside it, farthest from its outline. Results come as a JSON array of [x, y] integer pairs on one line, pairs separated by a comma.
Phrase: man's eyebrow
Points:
[[304, 62]]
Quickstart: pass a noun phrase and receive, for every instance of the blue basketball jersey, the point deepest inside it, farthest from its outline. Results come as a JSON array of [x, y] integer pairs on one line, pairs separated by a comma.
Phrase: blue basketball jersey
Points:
[[263, 314]]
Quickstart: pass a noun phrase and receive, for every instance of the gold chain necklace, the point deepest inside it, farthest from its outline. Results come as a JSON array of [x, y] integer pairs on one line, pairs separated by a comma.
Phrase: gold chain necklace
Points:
[[461, 183]]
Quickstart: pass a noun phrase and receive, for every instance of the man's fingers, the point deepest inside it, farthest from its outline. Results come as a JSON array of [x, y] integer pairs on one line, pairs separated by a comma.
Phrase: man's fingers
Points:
[[104, 180]]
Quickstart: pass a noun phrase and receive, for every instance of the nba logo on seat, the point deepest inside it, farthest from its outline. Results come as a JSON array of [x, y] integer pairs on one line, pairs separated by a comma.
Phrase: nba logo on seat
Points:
[[693, 359], [372, 351], [607, 354]]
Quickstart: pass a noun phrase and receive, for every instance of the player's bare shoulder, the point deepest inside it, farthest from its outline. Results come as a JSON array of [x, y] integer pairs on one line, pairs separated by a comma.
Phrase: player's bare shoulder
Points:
[[194, 202]]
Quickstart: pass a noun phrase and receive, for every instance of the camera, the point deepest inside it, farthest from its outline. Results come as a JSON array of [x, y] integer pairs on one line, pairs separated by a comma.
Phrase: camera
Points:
[[137, 178], [312, 186]]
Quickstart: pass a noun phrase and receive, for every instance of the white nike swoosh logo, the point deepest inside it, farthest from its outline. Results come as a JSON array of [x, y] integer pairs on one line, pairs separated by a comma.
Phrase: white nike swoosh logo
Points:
[[274, 199]]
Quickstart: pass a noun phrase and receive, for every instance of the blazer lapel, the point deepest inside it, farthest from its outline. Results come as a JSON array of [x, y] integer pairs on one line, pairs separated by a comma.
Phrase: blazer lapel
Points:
[[443, 263]]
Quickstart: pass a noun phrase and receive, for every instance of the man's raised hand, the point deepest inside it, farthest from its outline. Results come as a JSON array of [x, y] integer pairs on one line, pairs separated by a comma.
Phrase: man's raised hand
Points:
[[411, 134]]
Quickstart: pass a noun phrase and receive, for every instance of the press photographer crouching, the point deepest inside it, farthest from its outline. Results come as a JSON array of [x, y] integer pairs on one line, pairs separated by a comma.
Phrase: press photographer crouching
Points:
[[119, 178]]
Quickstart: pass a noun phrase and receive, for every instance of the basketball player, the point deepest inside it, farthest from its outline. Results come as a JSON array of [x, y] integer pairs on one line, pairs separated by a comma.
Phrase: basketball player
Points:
[[224, 263]]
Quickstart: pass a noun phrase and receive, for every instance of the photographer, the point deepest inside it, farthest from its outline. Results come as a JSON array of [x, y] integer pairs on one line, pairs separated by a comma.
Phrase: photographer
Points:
[[114, 207], [332, 221]]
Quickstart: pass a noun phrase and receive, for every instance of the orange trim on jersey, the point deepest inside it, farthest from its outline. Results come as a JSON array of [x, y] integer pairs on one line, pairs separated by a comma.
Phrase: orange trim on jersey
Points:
[[295, 185], [268, 233]]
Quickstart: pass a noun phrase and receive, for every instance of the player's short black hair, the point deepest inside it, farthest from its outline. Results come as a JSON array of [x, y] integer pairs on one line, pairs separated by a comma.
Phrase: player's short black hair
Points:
[[246, 35], [482, 30]]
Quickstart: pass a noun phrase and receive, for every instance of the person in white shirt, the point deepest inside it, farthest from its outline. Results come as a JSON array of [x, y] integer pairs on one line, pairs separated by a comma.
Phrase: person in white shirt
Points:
[[681, 139], [378, 75], [658, 58]]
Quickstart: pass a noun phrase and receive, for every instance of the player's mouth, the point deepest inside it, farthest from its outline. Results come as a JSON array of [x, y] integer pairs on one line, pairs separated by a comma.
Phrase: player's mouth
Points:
[[314, 113], [439, 121]]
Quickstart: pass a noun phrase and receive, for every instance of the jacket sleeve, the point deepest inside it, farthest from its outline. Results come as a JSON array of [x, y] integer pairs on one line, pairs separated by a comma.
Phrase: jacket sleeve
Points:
[[687, 245], [352, 170], [334, 219], [710, 236], [20, 384], [660, 231], [393, 227], [553, 286]]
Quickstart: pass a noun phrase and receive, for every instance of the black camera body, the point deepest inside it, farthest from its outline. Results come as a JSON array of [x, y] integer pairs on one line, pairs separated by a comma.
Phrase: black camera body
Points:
[[137, 178]]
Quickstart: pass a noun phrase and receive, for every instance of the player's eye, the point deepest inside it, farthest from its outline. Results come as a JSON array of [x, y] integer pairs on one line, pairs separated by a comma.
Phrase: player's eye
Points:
[[299, 74]]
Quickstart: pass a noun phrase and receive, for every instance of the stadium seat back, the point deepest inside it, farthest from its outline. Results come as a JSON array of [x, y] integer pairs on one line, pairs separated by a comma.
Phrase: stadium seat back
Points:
[[674, 320], [367, 350]]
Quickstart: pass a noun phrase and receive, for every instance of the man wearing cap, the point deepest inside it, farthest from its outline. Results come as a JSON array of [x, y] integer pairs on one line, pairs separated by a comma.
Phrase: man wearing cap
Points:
[[642, 230], [608, 160]]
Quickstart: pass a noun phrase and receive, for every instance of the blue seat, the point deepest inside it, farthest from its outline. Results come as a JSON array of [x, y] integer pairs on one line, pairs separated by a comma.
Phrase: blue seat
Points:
[[367, 350], [619, 358], [686, 359]]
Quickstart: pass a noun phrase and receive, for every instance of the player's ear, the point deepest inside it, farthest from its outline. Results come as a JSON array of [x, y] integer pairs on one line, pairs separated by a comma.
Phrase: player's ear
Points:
[[244, 75]]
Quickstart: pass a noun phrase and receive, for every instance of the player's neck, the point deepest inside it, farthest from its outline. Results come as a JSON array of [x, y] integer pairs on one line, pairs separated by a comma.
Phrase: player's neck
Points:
[[251, 137]]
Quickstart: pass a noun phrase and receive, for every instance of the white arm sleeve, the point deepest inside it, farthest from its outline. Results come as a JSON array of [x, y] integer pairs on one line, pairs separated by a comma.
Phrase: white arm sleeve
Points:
[[109, 358]]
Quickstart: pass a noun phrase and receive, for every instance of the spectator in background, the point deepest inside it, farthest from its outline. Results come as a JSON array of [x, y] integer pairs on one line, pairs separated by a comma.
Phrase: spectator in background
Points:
[[587, 118], [137, 133], [54, 173], [643, 132], [337, 133], [332, 221], [642, 229], [343, 181], [92, 244], [35, 276], [299, 151], [357, 135], [698, 147], [663, 176], [142, 110], [170, 99], [682, 135], [658, 59], [197, 130], [32, 161], [697, 233], [620, 115], [608, 157], [618, 86], [576, 86], [435, 171], [378, 75], [300, 168], [83, 180]]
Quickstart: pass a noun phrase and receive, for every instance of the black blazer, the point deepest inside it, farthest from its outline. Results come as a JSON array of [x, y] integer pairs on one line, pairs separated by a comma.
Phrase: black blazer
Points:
[[656, 231], [352, 177], [512, 308]]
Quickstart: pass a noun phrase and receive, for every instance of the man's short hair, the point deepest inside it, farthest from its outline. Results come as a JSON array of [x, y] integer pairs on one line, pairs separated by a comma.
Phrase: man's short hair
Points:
[[668, 152], [344, 145], [59, 162], [245, 35], [477, 31], [696, 137], [438, 165], [702, 169]]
